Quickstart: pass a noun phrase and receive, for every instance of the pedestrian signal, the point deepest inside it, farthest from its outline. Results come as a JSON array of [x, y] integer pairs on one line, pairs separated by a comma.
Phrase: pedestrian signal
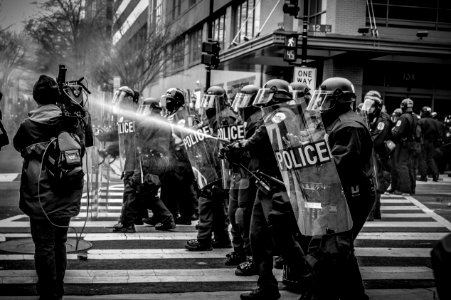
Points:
[[291, 44]]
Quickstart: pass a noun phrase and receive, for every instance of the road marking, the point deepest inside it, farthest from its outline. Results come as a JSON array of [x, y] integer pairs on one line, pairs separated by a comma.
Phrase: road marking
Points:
[[400, 236], [118, 254], [78, 223], [439, 219], [8, 177], [11, 219], [400, 207], [195, 275], [401, 224], [394, 201], [401, 215]]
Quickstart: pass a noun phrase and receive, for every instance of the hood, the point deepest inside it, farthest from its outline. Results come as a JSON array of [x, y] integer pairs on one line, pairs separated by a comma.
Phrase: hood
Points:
[[45, 114]]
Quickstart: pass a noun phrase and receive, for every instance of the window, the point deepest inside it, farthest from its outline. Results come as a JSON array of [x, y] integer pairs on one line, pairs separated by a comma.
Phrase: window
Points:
[[246, 20], [191, 3], [195, 45], [317, 11], [176, 8], [178, 53], [218, 27], [413, 14], [159, 16]]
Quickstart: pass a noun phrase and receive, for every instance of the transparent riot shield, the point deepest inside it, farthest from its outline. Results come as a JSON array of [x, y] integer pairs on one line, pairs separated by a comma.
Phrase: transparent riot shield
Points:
[[127, 144], [300, 145], [202, 150]]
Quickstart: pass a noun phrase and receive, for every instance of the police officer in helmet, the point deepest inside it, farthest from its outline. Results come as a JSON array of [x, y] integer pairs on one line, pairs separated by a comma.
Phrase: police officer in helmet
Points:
[[182, 200], [337, 275], [266, 236], [404, 135], [380, 127], [432, 131]]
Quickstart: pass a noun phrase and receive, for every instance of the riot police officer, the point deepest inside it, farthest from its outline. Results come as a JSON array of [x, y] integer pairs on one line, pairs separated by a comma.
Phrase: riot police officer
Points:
[[404, 135], [216, 113], [181, 200], [241, 197], [336, 271], [432, 132], [125, 103], [264, 234], [152, 141], [380, 128]]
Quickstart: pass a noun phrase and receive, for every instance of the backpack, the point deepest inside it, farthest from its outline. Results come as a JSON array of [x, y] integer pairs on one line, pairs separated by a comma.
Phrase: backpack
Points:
[[64, 162]]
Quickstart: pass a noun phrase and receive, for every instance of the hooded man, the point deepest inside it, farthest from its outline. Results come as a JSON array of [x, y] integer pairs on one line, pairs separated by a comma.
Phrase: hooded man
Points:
[[49, 205]]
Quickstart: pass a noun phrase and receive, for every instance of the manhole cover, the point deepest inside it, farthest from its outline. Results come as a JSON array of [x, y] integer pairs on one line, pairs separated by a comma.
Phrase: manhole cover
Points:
[[27, 246]]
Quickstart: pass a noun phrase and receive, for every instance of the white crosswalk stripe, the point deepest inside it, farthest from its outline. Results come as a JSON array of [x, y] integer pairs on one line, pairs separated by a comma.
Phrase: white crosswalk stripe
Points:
[[406, 231]]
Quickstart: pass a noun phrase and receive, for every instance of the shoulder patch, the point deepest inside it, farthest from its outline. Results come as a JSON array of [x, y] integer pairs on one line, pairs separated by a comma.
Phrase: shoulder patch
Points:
[[398, 123], [380, 126]]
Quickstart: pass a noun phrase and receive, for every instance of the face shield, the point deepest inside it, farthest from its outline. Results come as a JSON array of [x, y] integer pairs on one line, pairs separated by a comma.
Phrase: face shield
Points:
[[208, 101], [321, 100], [263, 97], [241, 100], [144, 109], [368, 106]]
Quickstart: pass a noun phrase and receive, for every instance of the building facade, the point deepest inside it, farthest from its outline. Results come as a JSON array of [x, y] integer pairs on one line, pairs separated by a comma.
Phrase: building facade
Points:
[[401, 48]]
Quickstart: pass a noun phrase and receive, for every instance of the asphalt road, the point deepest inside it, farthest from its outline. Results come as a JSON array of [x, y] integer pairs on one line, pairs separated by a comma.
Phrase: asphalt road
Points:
[[393, 253]]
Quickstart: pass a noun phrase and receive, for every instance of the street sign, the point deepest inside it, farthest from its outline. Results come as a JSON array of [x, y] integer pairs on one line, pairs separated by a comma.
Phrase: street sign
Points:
[[320, 28], [305, 75]]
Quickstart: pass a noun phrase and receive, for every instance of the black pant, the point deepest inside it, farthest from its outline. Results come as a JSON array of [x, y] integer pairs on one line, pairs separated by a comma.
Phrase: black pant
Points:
[[427, 160], [177, 192], [212, 216], [130, 204], [50, 256], [246, 198]]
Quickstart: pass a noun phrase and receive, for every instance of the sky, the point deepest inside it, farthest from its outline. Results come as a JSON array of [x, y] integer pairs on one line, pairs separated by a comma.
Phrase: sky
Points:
[[14, 12]]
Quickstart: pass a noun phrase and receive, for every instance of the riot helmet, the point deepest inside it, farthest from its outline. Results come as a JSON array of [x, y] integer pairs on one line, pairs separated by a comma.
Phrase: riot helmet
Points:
[[300, 91], [406, 105], [245, 97], [372, 104], [334, 97], [149, 106], [274, 92], [124, 99], [172, 100], [395, 115], [213, 101], [426, 112]]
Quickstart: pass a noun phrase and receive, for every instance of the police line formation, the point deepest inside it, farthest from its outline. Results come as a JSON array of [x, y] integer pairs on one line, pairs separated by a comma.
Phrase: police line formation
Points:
[[294, 172]]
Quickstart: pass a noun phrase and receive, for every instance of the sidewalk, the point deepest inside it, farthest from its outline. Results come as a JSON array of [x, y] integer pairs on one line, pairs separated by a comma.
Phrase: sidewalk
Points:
[[374, 294]]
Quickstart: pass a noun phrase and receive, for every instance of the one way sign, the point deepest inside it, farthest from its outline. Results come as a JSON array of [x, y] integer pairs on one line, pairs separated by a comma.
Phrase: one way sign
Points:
[[305, 75]]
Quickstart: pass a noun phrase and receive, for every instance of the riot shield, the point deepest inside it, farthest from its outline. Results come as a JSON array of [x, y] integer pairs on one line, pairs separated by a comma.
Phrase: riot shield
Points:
[[300, 145], [202, 150], [127, 145]]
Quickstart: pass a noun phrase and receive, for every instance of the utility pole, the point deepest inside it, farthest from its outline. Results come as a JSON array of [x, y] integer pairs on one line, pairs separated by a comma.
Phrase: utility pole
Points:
[[209, 38], [305, 22]]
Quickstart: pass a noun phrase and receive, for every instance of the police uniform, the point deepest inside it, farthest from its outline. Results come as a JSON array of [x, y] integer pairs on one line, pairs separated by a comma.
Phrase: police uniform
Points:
[[431, 130], [380, 129], [182, 199], [337, 273], [404, 156]]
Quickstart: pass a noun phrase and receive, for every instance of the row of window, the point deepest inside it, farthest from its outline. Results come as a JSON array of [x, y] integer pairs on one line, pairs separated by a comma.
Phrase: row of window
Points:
[[246, 24], [432, 14]]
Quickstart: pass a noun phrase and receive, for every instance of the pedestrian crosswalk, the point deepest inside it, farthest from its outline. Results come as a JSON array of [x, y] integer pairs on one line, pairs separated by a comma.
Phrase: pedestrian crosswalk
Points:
[[393, 253]]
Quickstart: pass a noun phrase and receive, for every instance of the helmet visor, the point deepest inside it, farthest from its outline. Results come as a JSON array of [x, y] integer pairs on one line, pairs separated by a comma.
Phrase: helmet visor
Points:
[[144, 109], [241, 100], [264, 95], [208, 101], [321, 100], [368, 106]]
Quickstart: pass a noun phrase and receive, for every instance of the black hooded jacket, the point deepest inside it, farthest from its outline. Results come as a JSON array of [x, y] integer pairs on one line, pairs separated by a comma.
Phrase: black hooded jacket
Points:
[[31, 140]]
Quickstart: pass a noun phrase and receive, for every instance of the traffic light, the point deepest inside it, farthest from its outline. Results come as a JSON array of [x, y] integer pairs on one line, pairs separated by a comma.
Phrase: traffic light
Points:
[[291, 45], [291, 7], [210, 53]]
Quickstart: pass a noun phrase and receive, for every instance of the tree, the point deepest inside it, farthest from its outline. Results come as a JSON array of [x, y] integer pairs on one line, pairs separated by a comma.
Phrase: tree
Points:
[[67, 36], [12, 51], [137, 61]]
